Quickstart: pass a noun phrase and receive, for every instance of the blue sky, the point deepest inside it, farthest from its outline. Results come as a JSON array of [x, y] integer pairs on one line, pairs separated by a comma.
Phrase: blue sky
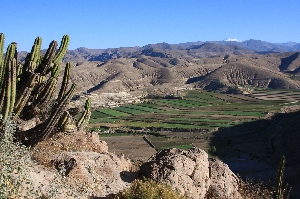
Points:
[[99, 24]]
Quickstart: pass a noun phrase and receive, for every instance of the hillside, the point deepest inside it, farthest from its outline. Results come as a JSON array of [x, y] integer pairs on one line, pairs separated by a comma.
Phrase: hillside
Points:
[[156, 72]]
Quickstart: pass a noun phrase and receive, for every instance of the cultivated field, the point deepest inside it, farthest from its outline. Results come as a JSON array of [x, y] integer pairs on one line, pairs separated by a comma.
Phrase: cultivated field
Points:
[[195, 120]]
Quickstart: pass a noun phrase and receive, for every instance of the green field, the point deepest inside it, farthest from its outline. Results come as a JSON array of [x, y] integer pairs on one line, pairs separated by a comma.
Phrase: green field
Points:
[[197, 110]]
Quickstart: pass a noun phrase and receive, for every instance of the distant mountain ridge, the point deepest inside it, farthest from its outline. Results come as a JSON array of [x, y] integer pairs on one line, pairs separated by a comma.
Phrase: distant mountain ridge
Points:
[[182, 49], [193, 49], [162, 68]]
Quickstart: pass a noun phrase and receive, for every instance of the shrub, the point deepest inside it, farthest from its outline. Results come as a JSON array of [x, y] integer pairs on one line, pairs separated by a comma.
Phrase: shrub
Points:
[[148, 189], [14, 163]]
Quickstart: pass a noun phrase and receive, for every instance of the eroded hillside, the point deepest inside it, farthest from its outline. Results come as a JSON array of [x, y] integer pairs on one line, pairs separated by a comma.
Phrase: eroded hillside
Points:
[[165, 75]]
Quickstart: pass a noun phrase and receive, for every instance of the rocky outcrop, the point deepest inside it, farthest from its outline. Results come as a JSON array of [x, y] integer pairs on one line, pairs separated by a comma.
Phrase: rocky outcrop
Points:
[[86, 164], [223, 182], [191, 173], [102, 173], [45, 151]]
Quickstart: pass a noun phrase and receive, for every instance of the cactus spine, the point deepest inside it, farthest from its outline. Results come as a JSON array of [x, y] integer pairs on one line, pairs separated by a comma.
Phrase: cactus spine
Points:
[[85, 117]]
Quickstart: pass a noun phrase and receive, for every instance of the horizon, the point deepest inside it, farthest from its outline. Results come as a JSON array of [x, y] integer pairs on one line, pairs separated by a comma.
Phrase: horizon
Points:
[[100, 24], [166, 43]]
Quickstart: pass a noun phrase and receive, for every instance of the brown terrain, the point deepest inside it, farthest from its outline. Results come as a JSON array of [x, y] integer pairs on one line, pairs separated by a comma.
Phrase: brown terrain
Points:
[[165, 75], [128, 74]]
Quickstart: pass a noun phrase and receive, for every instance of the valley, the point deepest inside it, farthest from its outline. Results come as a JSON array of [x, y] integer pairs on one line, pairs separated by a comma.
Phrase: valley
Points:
[[243, 130]]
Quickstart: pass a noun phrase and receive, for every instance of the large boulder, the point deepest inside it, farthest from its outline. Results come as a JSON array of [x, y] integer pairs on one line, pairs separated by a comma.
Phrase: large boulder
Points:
[[192, 173], [78, 141], [102, 173], [223, 182], [187, 171]]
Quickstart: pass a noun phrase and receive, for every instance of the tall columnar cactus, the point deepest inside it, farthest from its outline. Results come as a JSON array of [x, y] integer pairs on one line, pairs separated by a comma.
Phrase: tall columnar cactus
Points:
[[1, 56], [27, 89], [279, 188], [85, 117], [8, 91], [65, 82], [46, 94], [46, 129], [34, 56], [46, 62], [62, 49], [24, 95]]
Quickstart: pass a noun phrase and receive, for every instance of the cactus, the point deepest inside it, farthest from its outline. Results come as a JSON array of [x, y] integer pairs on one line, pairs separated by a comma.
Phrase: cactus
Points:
[[65, 82], [47, 93], [9, 90], [85, 117], [279, 188], [63, 121], [45, 65], [55, 70], [27, 89], [35, 54], [62, 49], [1, 57], [8, 82], [24, 95], [46, 129]]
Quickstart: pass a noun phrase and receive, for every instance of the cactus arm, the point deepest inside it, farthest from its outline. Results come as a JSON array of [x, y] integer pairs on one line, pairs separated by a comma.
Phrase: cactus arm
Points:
[[55, 70], [45, 130], [85, 117], [33, 57], [36, 49], [65, 82], [54, 117], [13, 83], [7, 92], [46, 93], [279, 188], [1, 56], [11, 52], [62, 49], [24, 95], [45, 65], [5, 97], [2, 68]]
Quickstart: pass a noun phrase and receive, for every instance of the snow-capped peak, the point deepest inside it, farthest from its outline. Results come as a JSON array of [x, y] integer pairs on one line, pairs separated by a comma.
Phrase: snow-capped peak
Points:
[[231, 39]]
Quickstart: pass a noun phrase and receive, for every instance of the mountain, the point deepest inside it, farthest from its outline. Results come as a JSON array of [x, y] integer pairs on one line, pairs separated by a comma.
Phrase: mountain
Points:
[[156, 71], [262, 46], [193, 49], [164, 68]]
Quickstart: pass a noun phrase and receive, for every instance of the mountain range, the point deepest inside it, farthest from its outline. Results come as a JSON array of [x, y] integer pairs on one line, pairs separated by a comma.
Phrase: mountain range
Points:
[[163, 68]]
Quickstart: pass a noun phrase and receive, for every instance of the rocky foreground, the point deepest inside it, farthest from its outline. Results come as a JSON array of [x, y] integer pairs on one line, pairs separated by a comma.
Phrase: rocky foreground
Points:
[[88, 165]]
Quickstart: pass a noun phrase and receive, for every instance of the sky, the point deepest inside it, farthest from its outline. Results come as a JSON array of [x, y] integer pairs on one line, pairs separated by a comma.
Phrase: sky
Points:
[[101, 24]]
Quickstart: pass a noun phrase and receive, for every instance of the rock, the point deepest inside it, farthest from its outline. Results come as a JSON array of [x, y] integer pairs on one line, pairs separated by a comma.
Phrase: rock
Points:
[[102, 173], [224, 183], [28, 124], [191, 173], [46, 150], [186, 171]]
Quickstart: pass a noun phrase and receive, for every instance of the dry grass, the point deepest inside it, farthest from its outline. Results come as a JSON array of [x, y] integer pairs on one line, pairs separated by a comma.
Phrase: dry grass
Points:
[[148, 189]]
